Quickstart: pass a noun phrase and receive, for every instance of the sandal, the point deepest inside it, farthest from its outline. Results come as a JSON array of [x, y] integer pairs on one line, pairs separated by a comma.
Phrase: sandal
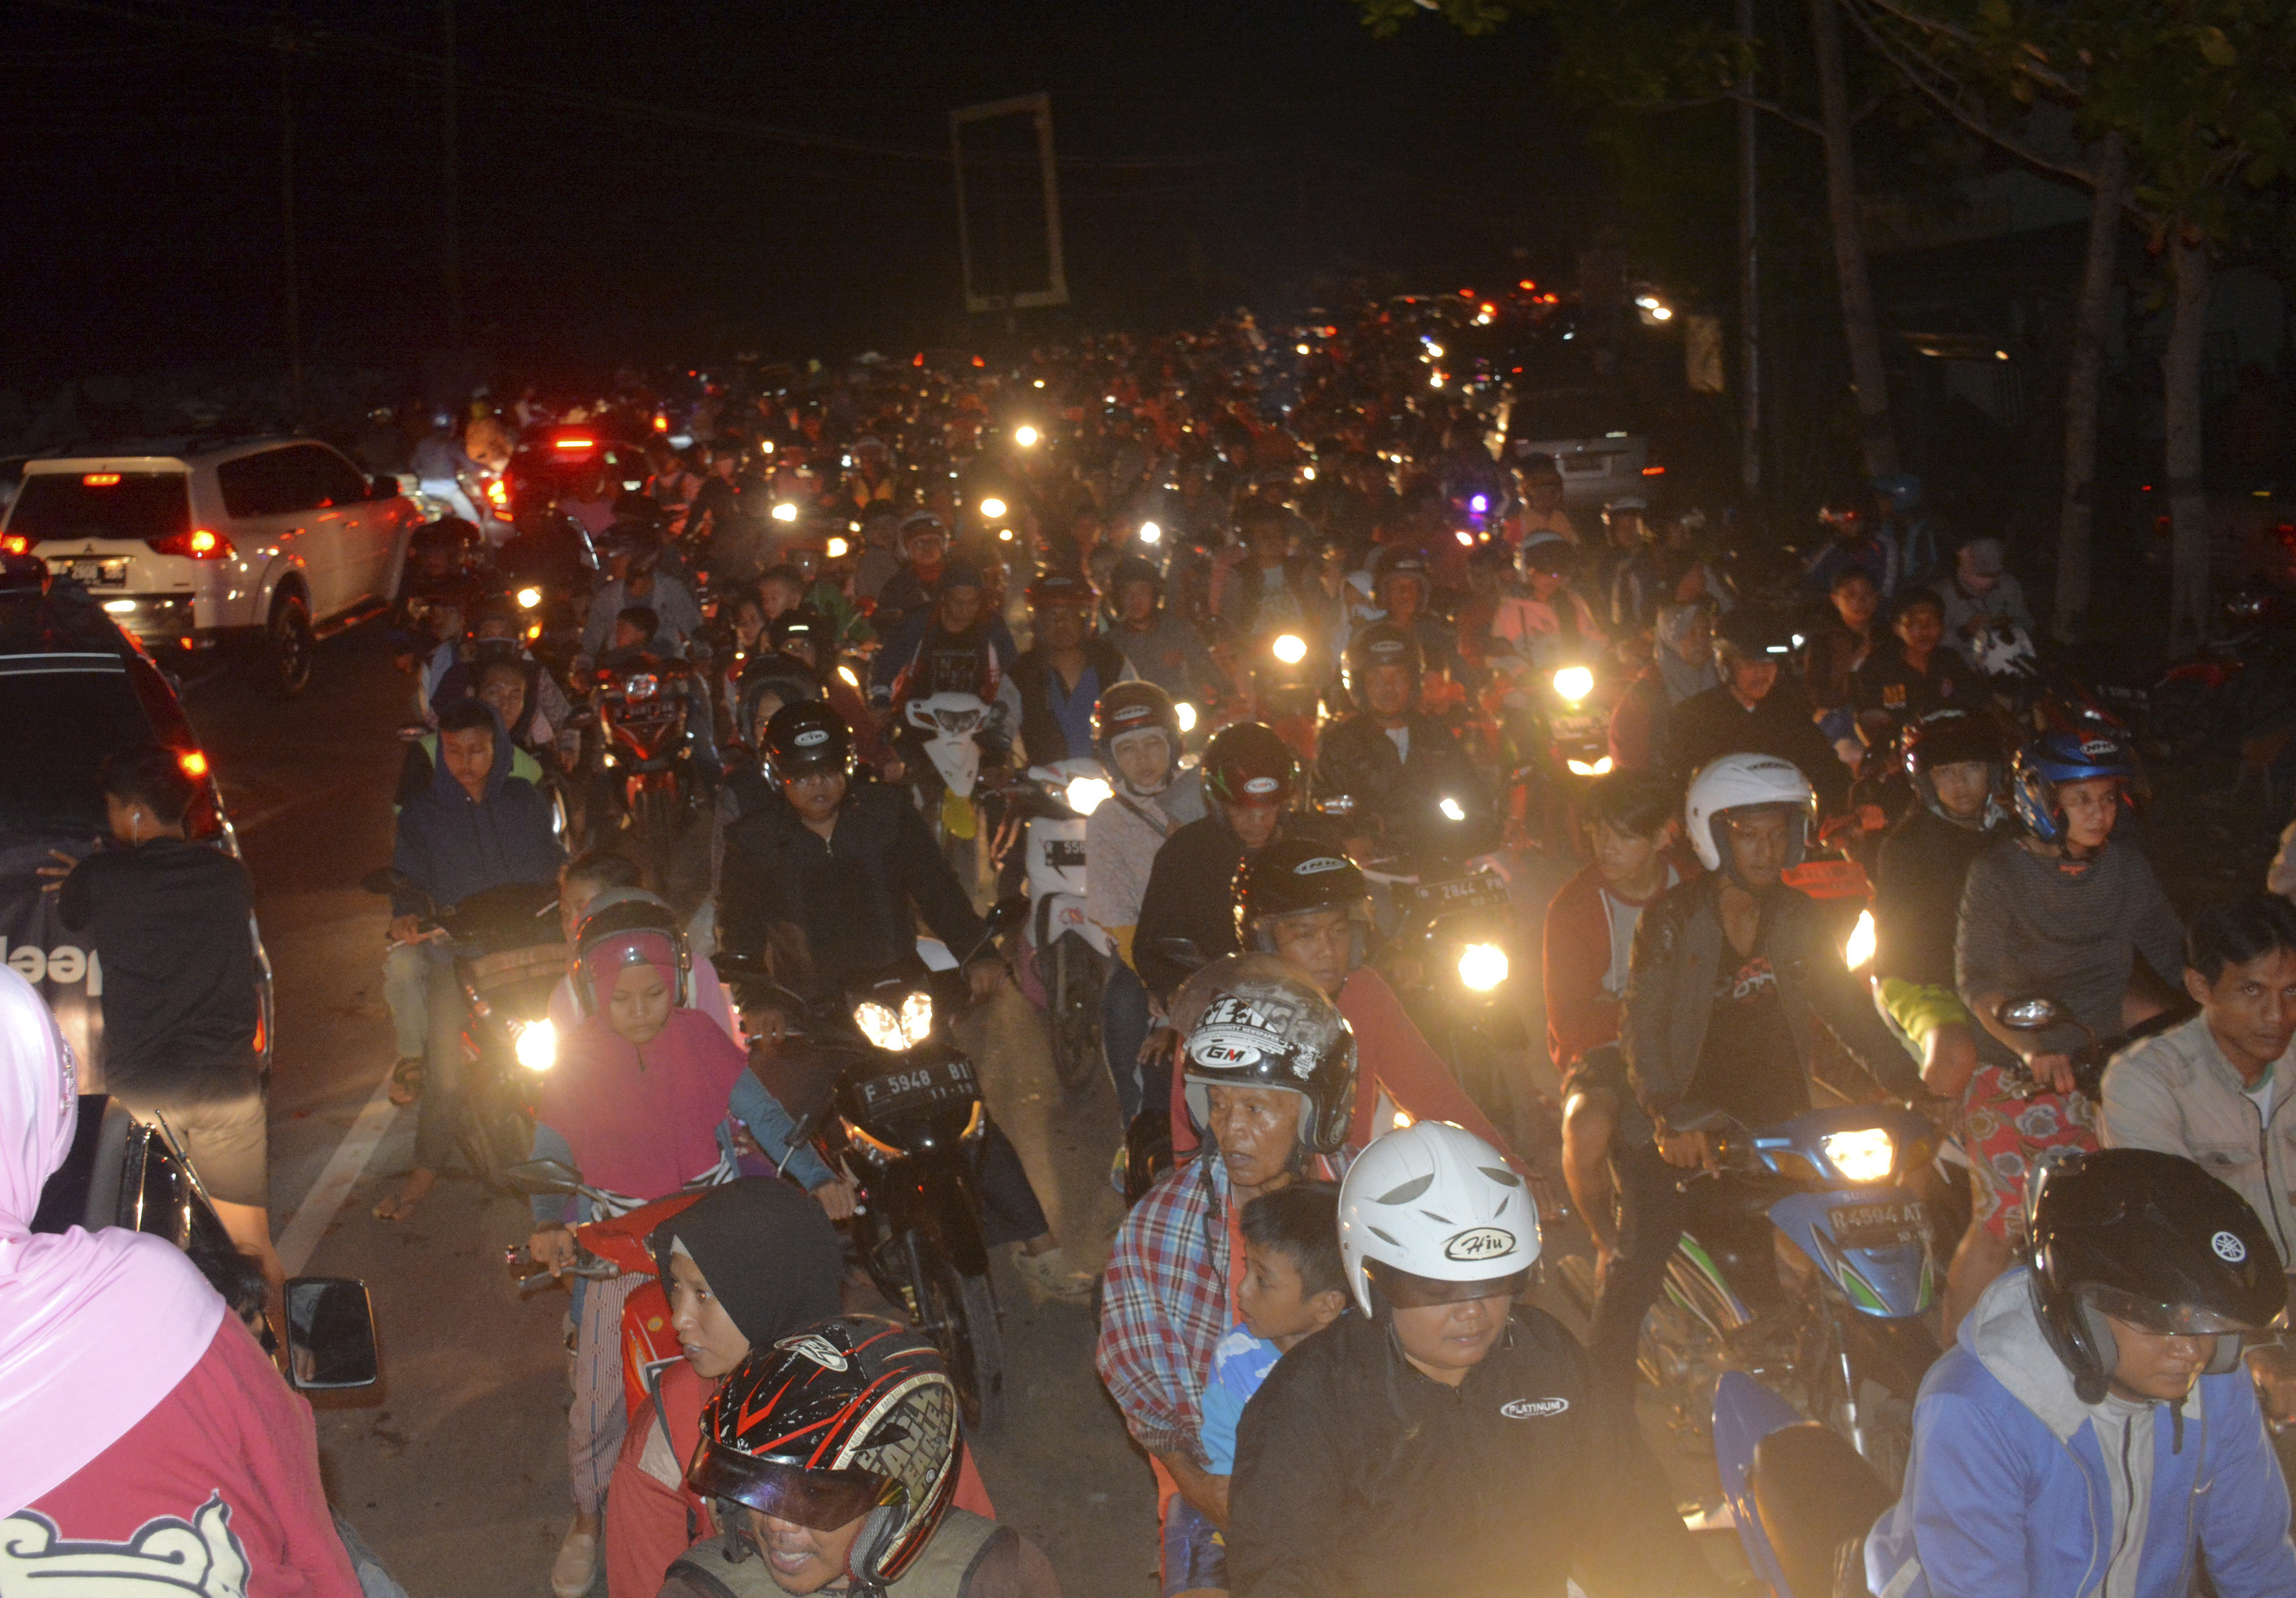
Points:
[[1051, 1274], [406, 1081]]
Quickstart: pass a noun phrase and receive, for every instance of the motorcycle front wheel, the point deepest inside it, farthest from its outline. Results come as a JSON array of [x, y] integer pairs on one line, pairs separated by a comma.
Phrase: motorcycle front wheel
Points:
[[959, 1313], [496, 1131], [1074, 987]]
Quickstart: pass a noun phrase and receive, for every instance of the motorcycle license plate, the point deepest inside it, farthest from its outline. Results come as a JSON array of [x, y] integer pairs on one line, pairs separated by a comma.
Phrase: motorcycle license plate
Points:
[[1477, 892], [1879, 1225], [98, 574], [919, 1085], [1062, 853]]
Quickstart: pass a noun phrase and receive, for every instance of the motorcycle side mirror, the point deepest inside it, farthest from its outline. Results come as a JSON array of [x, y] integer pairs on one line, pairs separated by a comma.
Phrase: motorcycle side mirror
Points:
[[384, 486], [331, 1334], [2036, 1012], [1182, 952], [1007, 913], [385, 880], [544, 1178], [1336, 805]]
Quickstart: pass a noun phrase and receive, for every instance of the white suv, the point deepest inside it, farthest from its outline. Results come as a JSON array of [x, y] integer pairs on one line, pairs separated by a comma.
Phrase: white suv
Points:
[[194, 542]]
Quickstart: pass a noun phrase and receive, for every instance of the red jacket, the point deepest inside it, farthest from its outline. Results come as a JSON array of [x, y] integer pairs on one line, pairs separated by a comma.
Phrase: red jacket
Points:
[[1582, 1014]]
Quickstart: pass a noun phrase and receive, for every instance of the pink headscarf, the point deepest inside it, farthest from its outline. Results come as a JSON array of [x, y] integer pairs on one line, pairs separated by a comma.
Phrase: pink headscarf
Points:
[[95, 1327]]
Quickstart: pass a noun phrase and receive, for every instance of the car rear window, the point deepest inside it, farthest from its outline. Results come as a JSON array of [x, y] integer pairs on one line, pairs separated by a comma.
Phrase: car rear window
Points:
[[103, 504], [62, 720]]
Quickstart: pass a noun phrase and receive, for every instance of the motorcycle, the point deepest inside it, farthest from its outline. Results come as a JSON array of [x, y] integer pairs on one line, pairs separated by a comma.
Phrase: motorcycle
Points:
[[508, 959], [1287, 692], [904, 1116], [645, 751], [1068, 952], [1557, 723], [950, 725], [1850, 1342]]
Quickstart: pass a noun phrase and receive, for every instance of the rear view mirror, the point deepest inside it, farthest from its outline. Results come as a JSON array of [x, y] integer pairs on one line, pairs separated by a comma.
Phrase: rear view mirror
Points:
[[1007, 913], [331, 1334], [1182, 952], [2036, 1012], [544, 1178]]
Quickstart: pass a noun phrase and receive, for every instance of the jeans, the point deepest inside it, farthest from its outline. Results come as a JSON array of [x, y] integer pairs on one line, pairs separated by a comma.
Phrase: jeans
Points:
[[441, 1109], [405, 972], [1123, 1029], [1009, 1210], [1654, 1210]]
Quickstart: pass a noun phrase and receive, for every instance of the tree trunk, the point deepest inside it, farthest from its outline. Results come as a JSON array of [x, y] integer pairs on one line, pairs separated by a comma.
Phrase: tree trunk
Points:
[[2188, 504], [2077, 513], [1860, 327]]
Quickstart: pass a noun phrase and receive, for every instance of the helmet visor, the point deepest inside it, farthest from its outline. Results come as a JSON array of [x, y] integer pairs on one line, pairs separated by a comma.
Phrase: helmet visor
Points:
[[1406, 1289], [817, 1500], [2165, 1320]]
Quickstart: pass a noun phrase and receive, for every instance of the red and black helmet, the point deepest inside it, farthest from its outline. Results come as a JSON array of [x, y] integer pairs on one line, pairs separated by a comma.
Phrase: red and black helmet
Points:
[[1250, 764], [854, 1416], [1134, 707]]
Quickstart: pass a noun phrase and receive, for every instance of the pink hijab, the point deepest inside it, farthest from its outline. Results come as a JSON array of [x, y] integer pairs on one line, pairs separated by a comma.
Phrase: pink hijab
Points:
[[95, 1327], [641, 1121]]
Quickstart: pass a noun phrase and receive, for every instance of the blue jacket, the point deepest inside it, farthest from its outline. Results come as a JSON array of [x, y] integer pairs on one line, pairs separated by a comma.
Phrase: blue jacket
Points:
[[2013, 1492], [455, 847]]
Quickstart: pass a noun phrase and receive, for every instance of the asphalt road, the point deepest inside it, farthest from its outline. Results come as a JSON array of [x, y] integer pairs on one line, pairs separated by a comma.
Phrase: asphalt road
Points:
[[454, 1468]]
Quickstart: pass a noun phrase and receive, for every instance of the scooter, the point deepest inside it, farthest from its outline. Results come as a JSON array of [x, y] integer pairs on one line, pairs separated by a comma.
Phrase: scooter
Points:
[[1067, 951], [951, 726], [645, 754]]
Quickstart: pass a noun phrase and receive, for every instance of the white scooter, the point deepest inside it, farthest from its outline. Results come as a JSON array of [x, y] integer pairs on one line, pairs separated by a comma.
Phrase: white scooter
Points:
[[952, 725], [1071, 952]]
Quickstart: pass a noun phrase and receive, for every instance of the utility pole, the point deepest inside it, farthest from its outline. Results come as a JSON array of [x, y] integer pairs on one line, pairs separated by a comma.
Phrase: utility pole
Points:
[[1749, 294], [454, 199], [294, 298]]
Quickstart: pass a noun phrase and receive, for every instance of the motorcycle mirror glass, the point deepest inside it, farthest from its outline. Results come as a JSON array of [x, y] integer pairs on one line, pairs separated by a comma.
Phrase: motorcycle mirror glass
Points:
[[1007, 913], [1183, 952], [543, 1178], [383, 878], [2036, 1012], [331, 1334]]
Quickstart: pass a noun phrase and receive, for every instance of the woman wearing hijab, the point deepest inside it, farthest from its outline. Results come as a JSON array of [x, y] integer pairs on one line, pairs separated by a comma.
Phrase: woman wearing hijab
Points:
[[1683, 665], [748, 1265], [638, 1104], [142, 1431]]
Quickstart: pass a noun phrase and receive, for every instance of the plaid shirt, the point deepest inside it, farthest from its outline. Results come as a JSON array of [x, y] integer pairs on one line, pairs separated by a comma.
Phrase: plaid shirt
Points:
[[1164, 1305]]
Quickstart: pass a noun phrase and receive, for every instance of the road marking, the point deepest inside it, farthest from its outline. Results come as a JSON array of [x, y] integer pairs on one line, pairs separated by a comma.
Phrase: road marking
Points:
[[349, 1163]]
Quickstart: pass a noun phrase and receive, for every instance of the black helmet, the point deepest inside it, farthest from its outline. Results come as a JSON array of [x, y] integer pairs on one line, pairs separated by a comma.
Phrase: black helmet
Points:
[[2152, 1239], [854, 1416], [1751, 634], [1134, 569], [802, 621], [1058, 588], [641, 544], [1248, 764], [618, 912], [1277, 1030], [1290, 877], [1131, 708], [784, 676], [804, 738], [1948, 738], [1382, 643]]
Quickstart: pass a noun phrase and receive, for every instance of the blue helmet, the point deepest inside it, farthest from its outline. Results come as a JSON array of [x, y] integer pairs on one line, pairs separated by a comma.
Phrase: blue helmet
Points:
[[2062, 757]]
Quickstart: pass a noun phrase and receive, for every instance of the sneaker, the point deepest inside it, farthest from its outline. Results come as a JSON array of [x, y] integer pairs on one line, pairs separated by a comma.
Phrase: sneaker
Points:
[[1051, 1274], [576, 1566]]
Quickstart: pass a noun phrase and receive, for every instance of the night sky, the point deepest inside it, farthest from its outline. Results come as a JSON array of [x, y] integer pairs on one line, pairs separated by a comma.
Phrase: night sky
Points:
[[628, 191]]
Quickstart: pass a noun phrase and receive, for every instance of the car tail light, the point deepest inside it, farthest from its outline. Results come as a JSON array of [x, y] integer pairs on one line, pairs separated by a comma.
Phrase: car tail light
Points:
[[101, 480], [1653, 471], [202, 544], [570, 444], [15, 543], [194, 763]]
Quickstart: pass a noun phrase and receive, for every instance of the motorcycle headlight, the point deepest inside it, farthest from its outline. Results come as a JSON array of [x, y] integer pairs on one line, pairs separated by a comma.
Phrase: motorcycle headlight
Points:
[[785, 511], [897, 1032], [643, 685], [536, 1045], [1574, 683], [1450, 809], [529, 598], [1865, 1155], [1859, 950], [1187, 714], [1590, 768], [1084, 794], [1290, 649], [1482, 966], [916, 1017]]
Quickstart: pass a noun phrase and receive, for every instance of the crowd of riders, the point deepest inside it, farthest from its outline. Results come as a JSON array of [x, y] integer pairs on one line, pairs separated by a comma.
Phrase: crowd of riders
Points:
[[1338, 646]]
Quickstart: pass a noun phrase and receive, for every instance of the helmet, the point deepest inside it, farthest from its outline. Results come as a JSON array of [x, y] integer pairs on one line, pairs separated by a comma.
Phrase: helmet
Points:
[[1248, 764], [1752, 635], [1276, 1031], [1636, 503], [1546, 552], [1740, 783], [803, 621], [641, 544], [784, 676], [920, 522], [1403, 561], [2062, 757], [1434, 1200], [1381, 644], [618, 912], [1133, 707], [1290, 877], [1134, 569], [854, 1416], [1059, 588], [2148, 1238], [1948, 737], [805, 737]]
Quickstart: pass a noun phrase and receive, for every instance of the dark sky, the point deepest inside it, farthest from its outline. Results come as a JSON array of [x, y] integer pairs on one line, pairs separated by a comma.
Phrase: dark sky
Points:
[[626, 189]]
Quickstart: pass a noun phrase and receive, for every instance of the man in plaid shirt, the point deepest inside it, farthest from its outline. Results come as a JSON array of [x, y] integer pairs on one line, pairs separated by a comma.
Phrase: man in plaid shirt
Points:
[[1270, 1076]]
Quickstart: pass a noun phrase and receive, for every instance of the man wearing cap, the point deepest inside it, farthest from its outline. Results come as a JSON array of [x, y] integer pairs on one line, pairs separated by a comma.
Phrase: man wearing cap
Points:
[[1981, 597], [1049, 694], [911, 590], [1542, 511]]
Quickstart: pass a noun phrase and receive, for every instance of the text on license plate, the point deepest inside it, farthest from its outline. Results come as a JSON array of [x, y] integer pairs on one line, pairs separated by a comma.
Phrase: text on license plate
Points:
[[1879, 1225], [1479, 890], [925, 1080], [98, 574], [1064, 852]]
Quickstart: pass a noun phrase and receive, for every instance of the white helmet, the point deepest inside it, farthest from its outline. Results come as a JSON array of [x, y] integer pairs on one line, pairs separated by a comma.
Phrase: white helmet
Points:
[[1741, 781], [1435, 1200]]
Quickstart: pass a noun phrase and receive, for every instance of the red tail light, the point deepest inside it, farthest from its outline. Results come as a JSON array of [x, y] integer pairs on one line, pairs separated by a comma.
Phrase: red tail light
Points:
[[1653, 471], [201, 544], [571, 443], [15, 543], [194, 763], [101, 480]]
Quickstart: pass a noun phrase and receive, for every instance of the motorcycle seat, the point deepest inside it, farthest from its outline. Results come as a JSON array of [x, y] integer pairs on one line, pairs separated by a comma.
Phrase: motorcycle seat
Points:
[[1816, 1498]]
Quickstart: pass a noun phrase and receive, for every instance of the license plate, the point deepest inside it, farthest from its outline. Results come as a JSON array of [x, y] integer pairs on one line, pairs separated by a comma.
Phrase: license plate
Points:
[[98, 574], [1061, 853], [918, 1085], [1464, 893], [1879, 1225]]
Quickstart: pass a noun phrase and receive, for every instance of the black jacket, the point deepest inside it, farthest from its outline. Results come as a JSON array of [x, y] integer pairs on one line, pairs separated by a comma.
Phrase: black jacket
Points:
[[1355, 758], [1917, 882], [1031, 678], [1191, 893], [823, 911], [1356, 1474], [1706, 726]]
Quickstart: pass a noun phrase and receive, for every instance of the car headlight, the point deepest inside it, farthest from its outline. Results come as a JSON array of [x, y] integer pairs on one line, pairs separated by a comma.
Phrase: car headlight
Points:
[[1859, 950], [1865, 1155], [1574, 683], [529, 598], [1482, 966], [895, 1032], [1590, 768], [1450, 809], [1290, 649], [1084, 794], [536, 1045]]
